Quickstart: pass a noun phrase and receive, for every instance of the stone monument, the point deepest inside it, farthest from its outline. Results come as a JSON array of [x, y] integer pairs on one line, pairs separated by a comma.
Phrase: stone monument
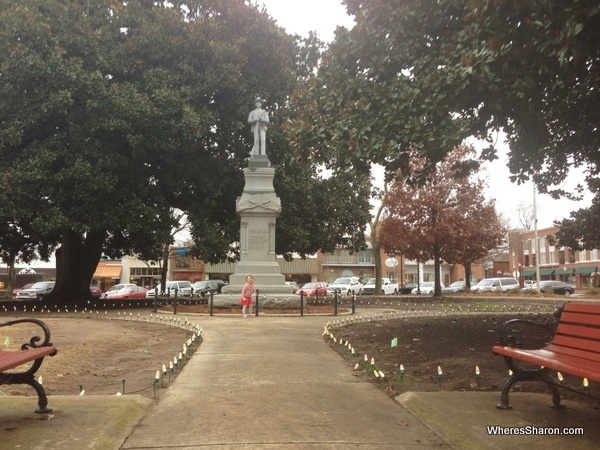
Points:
[[258, 208]]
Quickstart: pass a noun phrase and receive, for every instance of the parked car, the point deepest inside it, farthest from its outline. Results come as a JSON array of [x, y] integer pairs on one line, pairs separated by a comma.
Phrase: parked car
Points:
[[128, 292], [17, 290], [293, 285], [311, 289], [552, 287], [201, 288], [183, 289], [115, 288], [345, 286], [407, 288], [457, 286], [38, 291], [95, 290], [426, 288], [386, 286], [496, 284]]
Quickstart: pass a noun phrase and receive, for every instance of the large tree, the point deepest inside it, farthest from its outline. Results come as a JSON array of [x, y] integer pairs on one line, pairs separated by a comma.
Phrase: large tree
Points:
[[427, 74], [113, 112], [444, 218]]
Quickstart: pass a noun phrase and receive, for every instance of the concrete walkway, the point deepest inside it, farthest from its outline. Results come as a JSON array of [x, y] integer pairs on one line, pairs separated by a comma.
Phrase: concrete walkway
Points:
[[272, 382]]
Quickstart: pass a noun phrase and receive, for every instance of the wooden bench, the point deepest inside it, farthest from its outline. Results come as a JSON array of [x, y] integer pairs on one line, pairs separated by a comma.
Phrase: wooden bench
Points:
[[573, 347], [34, 351]]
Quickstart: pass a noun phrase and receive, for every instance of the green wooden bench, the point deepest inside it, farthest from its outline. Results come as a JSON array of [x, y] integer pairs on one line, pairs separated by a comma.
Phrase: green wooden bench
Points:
[[34, 351]]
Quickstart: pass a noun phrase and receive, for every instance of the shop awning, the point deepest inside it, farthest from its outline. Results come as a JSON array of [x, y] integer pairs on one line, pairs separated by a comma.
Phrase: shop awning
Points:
[[586, 270], [528, 273], [113, 272], [546, 271]]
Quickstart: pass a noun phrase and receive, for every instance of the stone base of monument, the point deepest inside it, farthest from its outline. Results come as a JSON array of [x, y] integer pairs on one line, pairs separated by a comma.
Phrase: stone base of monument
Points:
[[265, 300]]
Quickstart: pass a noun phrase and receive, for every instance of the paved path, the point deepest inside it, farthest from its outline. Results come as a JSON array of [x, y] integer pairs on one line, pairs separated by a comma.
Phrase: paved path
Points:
[[272, 382]]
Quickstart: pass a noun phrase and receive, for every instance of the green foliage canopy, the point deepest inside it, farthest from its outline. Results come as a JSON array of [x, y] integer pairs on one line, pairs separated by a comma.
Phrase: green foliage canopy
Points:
[[427, 74], [112, 113]]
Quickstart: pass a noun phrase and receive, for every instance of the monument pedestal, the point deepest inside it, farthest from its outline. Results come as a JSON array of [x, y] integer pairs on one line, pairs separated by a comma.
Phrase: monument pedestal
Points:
[[258, 207]]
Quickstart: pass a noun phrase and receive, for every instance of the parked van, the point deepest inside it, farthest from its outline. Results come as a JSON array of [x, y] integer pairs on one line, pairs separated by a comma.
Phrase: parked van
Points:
[[497, 284]]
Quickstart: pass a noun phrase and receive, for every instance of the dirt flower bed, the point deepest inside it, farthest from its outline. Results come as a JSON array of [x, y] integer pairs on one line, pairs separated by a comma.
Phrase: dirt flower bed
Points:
[[455, 345], [104, 356]]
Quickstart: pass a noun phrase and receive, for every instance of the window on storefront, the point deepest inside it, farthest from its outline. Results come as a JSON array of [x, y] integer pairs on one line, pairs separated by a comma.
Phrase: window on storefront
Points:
[[365, 256]]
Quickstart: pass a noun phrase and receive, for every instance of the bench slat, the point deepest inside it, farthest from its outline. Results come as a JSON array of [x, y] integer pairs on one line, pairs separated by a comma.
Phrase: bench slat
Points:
[[580, 318], [12, 359], [577, 352], [576, 343], [587, 308], [578, 330], [582, 368]]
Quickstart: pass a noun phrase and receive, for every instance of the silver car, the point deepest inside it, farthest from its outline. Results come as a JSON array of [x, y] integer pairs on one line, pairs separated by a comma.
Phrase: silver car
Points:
[[36, 292]]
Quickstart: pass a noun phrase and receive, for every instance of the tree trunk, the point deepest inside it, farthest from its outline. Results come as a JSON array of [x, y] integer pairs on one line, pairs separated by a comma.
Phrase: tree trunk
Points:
[[76, 262], [437, 265], [164, 270], [12, 276], [467, 265], [377, 257]]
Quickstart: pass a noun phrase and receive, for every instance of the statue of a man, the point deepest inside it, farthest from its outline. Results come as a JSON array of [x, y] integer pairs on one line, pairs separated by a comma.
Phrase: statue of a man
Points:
[[259, 120]]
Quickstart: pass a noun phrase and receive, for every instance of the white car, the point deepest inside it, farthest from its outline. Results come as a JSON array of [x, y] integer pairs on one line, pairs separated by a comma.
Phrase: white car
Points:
[[183, 288], [497, 284], [426, 288], [386, 286], [345, 286]]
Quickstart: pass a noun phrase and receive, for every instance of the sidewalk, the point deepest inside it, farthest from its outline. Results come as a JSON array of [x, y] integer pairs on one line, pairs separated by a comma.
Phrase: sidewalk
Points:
[[271, 382]]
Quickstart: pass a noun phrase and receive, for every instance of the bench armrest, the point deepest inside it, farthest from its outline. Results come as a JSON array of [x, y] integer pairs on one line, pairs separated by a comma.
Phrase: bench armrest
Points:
[[35, 341], [525, 334]]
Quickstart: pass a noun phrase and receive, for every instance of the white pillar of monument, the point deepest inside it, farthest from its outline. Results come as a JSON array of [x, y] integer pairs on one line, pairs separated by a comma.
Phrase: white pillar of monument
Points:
[[258, 208]]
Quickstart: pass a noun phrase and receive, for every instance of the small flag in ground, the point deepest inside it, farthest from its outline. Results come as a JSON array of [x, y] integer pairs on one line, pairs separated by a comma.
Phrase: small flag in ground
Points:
[[395, 342]]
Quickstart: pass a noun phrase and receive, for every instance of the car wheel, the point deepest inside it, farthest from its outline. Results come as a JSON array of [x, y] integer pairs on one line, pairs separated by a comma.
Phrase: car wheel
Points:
[[568, 293], [40, 298]]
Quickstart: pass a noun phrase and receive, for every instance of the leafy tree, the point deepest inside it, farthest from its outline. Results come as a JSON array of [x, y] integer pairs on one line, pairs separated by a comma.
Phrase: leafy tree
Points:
[[112, 113], [426, 75], [444, 218]]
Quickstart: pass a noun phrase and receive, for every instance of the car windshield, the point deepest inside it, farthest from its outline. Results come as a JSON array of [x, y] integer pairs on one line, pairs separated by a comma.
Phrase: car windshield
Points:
[[40, 285], [457, 284], [427, 284], [126, 289], [309, 286], [371, 281], [200, 284], [342, 281], [485, 283]]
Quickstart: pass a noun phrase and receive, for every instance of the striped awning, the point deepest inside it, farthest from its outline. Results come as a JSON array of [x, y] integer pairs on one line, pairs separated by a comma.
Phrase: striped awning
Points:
[[298, 266], [225, 267], [112, 272]]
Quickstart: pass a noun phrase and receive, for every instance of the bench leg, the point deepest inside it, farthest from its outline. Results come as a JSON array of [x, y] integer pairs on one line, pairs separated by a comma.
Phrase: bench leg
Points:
[[42, 399], [28, 378], [530, 376], [504, 402]]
